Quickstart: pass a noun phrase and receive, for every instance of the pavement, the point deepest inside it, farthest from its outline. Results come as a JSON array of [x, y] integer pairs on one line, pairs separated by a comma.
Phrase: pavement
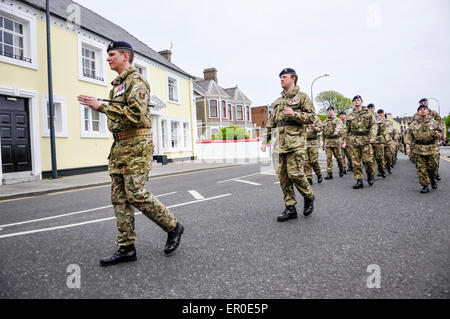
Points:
[[47, 186]]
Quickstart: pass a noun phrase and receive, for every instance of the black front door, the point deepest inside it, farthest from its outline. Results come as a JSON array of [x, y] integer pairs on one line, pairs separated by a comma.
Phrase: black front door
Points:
[[15, 134]]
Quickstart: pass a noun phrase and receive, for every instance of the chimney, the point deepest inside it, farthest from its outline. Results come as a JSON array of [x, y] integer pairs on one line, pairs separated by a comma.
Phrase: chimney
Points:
[[210, 74], [166, 54]]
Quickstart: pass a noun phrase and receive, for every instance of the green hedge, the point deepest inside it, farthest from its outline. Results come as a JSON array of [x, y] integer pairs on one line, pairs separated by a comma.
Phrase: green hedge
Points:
[[231, 133]]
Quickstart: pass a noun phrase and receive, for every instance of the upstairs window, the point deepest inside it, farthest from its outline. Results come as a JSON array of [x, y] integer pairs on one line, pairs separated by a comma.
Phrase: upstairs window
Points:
[[173, 89], [230, 112], [239, 113], [92, 64], [213, 111], [224, 109], [248, 113]]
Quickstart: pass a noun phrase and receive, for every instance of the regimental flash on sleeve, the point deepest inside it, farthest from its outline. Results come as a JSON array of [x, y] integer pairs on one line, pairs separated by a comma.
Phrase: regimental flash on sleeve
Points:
[[142, 94]]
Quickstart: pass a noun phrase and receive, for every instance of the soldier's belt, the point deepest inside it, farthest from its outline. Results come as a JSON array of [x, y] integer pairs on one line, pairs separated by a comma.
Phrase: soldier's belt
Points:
[[286, 123], [132, 133], [425, 143], [360, 133], [331, 137], [311, 138]]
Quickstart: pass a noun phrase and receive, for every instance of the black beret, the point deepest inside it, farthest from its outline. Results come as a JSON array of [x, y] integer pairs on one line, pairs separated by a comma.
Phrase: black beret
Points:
[[330, 108], [371, 105], [423, 100], [421, 106], [380, 111], [342, 113], [119, 45], [357, 97], [288, 71]]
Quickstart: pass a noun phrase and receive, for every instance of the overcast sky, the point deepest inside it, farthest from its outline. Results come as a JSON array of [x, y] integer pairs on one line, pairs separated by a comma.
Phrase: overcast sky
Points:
[[391, 52]]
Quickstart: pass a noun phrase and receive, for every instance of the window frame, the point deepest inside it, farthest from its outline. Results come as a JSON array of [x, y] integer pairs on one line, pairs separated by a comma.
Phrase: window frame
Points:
[[217, 109], [62, 118], [28, 22], [242, 112], [177, 91], [145, 69], [103, 125], [100, 61], [223, 107]]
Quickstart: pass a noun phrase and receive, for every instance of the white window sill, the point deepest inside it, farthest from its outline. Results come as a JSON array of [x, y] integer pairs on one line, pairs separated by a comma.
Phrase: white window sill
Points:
[[90, 80], [174, 102], [21, 63]]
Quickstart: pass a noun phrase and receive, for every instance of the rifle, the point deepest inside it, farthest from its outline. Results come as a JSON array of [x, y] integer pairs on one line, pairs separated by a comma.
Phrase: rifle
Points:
[[120, 102]]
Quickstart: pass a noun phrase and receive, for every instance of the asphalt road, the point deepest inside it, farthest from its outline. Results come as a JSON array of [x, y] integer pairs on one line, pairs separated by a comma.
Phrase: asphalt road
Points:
[[233, 247]]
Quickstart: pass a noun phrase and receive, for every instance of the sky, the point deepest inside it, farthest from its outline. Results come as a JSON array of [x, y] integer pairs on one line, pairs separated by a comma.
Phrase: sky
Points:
[[391, 52]]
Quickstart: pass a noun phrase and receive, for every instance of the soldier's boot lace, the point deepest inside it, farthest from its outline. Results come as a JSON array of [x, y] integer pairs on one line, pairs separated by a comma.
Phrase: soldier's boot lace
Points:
[[124, 254], [289, 213]]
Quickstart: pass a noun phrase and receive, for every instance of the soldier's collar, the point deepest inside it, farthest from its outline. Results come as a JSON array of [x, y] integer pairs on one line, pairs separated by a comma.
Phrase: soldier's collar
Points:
[[291, 94], [122, 76]]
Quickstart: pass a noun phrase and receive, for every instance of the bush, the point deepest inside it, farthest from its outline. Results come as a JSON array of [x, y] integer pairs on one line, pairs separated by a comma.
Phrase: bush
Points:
[[231, 133]]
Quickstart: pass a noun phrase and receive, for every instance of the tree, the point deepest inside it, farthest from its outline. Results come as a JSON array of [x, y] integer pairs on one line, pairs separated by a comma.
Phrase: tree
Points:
[[335, 99]]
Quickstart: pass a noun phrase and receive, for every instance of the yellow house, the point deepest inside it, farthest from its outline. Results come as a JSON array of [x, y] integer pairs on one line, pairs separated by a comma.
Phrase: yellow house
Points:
[[79, 38]]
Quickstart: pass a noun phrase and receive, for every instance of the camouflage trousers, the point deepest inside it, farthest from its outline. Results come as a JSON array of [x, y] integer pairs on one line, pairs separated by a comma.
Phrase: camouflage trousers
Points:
[[362, 154], [379, 157], [426, 166], [388, 156], [330, 150], [127, 192], [312, 162], [289, 168], [347, 157]]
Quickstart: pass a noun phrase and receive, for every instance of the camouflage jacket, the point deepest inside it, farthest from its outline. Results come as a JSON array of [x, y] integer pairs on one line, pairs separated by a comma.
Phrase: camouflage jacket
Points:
[[382, 131], [435, 115], [132, 155], [421, 134], [312, 135], [361, 127], [289, 131], [332, 125]]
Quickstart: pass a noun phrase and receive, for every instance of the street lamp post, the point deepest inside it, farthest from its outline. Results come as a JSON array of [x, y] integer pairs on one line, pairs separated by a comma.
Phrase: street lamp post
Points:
[[439, 104], [312, 97]]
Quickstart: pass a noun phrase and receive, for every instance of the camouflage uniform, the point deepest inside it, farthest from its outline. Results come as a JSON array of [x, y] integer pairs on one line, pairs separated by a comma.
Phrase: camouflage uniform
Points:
[[289, 142], [346, 152], [333, 145], [379, 145], [361, 128], [388, 148], [130, 158], [420, 133], [312, 149], [442, 127]]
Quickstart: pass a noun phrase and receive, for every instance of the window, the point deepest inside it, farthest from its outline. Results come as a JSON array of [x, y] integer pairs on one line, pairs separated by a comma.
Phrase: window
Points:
[[59, 119], [17, 37], [213, 111], [239, 113], [173, 89], [174, 134], [92, 65], [230, 112], [224, 109], [186, 135], [248, 113], [93, 123], [164, 133], [142, 69]]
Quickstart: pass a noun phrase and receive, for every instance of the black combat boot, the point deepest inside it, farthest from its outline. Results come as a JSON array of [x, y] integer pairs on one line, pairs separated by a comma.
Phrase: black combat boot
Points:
[[289, 213], [341, 172], [319, 179], [310, 181], [370, 179], [350, 169], [359, 184], [389, 169], [383, 174], [124, 254], [424, 189], [433, 183], [309, 206], [329, 176], [173, 239], [438, 178]]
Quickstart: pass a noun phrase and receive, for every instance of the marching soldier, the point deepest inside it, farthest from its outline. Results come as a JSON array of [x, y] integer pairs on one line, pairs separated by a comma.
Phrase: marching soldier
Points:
[[388, 154], [435, 115], [362, 132], [332, 127], [312, 150], [346, 155], [381, 140], [424, 132], [130, 158], [290, 114]]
